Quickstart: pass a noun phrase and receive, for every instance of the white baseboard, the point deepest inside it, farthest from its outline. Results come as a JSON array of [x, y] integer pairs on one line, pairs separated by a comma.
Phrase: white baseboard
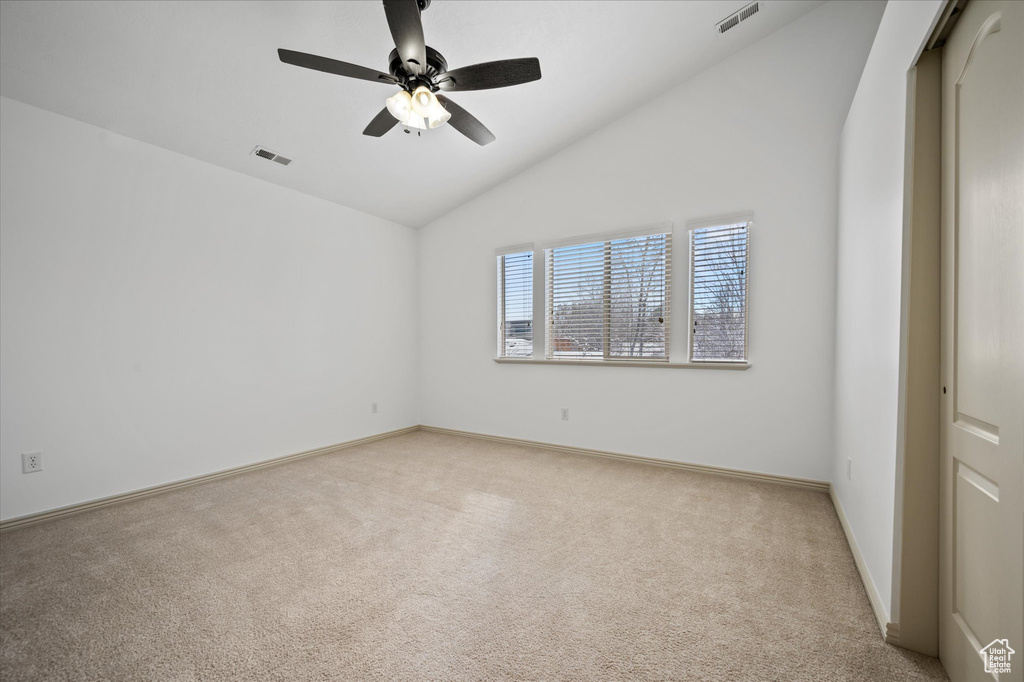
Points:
[[39, 517], [890, 631], [821, 486]]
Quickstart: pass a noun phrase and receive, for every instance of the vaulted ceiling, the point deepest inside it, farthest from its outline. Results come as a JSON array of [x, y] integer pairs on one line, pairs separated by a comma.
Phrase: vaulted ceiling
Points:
[[203, 79]]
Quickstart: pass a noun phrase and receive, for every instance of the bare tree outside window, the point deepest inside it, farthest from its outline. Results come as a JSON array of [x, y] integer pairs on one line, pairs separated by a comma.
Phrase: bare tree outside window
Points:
[[609, 300], [718, 293], [638, 297], [576, 291]]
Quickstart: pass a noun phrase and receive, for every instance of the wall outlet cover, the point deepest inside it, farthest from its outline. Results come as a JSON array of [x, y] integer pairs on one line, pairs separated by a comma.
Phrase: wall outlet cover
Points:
[[31, 462]]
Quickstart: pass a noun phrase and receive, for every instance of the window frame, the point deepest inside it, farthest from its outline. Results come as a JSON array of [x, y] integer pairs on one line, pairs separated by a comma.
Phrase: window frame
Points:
[[747, 220], [606, 239], [542, 301], [500, 255]]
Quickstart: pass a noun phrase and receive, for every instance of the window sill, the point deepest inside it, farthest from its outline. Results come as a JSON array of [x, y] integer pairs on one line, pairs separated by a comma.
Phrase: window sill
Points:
[[626, 363]]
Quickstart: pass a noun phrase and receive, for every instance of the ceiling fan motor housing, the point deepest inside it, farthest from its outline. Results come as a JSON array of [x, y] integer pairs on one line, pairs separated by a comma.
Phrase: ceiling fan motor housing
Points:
[[436, 65]]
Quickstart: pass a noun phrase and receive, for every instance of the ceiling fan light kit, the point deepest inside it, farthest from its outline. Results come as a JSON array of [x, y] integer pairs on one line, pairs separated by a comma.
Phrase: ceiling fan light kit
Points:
[[421, 109], [421, 71]]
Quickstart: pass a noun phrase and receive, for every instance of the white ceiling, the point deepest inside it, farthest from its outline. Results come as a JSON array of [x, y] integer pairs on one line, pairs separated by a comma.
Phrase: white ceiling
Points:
[[203, 79]]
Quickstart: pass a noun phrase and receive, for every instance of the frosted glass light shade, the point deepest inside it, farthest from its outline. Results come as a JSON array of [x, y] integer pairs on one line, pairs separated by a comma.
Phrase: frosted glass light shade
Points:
[[439, 116], [400, 105], [423, 102], [419, 109], [414, 121]]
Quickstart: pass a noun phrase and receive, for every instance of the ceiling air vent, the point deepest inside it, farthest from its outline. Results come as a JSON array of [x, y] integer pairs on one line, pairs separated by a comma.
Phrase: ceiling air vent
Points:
[[734, 19], [264, 153]]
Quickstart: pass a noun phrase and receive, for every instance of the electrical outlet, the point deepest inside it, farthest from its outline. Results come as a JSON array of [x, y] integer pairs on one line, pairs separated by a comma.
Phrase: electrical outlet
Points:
[[565, 414], [849, 468], [373, 408], [31, 462]]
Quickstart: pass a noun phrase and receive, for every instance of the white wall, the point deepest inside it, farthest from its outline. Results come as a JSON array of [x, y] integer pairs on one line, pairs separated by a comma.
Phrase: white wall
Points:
[[869, 275], [164, 318], [758, 132]]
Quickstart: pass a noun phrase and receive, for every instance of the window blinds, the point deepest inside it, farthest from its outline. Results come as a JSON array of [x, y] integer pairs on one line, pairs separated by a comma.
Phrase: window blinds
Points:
[[718, 293], [515, 305], [610, 299]]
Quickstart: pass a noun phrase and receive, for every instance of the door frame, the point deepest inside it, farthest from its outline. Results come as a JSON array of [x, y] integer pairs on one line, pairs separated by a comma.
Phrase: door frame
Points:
[[915, 578]]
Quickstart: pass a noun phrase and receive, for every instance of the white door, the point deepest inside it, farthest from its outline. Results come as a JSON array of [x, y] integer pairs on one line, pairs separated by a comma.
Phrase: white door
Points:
[[982, 415]]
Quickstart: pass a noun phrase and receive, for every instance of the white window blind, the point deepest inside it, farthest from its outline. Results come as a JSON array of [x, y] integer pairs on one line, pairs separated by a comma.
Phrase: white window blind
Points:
[[718, 293], [610, 299], [515, 305]]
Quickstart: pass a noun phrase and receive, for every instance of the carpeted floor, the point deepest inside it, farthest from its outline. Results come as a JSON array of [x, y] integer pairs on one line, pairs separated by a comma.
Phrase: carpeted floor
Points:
[[427, 556]]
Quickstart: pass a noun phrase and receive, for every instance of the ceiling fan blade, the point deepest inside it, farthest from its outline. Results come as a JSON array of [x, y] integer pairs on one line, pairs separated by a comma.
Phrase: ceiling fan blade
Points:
[[491, 75], [312, 61], [381, 123], [407, 30], [466, 123]]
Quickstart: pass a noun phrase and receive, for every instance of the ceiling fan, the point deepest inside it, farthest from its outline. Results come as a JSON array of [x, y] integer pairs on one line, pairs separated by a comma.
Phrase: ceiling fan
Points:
[[420, 71]]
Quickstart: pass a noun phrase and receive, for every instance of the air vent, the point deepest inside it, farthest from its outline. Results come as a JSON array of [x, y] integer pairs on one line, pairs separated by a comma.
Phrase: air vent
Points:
[[264, 153], [734, 19], [749, 11]]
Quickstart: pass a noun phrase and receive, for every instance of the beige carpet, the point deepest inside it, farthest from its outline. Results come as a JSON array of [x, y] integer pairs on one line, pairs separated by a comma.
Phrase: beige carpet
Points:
[[433, 557]]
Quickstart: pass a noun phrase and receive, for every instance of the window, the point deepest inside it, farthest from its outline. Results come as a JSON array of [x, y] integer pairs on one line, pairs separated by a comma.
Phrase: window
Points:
[[718, 293], [609, 300], [515, 304]]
